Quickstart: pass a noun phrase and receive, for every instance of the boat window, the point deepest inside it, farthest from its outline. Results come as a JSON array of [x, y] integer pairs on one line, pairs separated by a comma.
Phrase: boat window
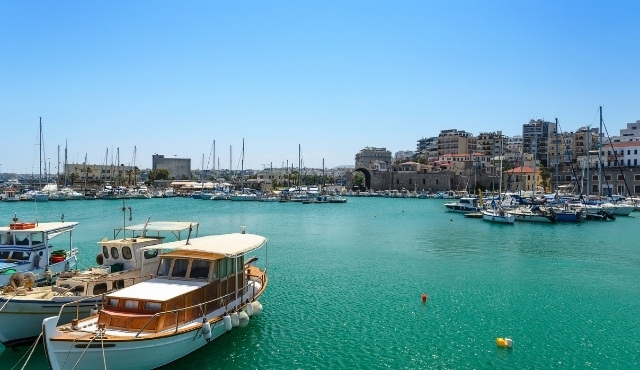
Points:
[[100, 288], [20, 256], [113, 302], [126, 253], [37, 238], [165, 264], [152, 306], [223, 268], [199, 269], [180, 267], [128, 303], [105, 252], [214, 275], [6, 239], [231, 266], [152, 253], [4, 255], [114, 253]]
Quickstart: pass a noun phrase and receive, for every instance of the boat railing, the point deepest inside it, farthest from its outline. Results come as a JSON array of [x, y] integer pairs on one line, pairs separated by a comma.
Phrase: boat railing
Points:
[[60, 289], [223, 299], [77, 303]]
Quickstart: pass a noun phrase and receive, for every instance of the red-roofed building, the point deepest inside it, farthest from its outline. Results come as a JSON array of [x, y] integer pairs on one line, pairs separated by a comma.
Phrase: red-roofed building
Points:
[[521, 178]]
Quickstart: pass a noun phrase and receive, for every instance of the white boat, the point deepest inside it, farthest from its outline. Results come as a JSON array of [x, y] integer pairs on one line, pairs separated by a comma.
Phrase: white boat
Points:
[[204, 288], [10, 195], [26, 247], [35, 195], [463, 205], [498, 215], [121, 263], [243, 196], [534, 214]]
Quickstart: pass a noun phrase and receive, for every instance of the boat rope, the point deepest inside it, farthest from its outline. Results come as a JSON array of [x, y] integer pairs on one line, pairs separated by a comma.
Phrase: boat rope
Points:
[[83, 352], [33, 347], [104, 357], [5, 303]]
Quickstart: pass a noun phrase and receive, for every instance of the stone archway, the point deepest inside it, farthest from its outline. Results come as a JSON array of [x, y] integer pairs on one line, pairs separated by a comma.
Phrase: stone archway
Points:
[[367, 176]]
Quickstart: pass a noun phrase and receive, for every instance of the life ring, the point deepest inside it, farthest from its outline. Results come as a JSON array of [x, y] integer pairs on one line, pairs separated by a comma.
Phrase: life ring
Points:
[[22, 225], [16, 280], [99, 259]]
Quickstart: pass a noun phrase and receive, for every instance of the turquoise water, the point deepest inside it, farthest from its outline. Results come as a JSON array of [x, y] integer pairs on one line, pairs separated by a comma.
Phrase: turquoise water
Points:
[[347, 279]]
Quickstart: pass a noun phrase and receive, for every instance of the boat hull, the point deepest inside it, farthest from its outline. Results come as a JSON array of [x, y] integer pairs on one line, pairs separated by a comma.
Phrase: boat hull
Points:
[[21, 319]]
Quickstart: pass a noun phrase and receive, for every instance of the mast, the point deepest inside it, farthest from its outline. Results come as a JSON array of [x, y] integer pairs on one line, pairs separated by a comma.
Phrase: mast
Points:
[[588, 190], [65, 163], [85, 174], [58, 169], [555, 182], [40, 146], [600, 146], [242, 168], [299, 167]]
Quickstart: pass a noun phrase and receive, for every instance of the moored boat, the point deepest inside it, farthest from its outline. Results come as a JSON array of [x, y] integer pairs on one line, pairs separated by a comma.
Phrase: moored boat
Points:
[[27, 247], [498, 215], [121, 263], [203, 288], [463, 205]]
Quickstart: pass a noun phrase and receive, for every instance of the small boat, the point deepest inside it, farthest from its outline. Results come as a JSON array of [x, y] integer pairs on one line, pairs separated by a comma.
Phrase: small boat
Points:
[[121, 263], [534, 214], [463, 205], [569, 214], [203, 288], [26, 247], [337, 199], [498, 215], [473, 215]]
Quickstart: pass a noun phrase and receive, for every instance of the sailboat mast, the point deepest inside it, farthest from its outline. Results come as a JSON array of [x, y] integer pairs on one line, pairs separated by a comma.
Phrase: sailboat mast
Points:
[[555, 182], [600, 146], [40, 146], [588, 190]]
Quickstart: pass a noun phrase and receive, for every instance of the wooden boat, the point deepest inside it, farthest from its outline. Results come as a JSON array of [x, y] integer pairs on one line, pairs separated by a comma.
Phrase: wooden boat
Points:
[[121, 263], [203, 288]]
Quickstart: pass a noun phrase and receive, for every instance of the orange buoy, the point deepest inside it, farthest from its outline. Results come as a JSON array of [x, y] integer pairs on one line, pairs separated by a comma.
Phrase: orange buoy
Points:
[[501, 342], [424, 297]]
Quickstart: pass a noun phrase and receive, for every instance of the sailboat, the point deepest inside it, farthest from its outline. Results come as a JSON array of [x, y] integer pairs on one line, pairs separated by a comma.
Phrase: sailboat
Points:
[[243, 194], [496, 213]]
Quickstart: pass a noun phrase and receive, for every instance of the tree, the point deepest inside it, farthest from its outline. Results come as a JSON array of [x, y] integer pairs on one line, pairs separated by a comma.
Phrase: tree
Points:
[[158, 174], [544, 176], [73, 178]]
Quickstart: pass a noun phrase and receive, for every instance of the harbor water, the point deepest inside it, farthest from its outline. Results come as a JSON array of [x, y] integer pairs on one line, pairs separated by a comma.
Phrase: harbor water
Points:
[[346, 282]]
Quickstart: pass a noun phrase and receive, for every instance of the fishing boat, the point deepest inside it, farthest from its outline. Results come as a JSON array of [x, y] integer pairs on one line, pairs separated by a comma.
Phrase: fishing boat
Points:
[[499, 215], [463, 205], [203, 288], [121, 263], [27, 247]]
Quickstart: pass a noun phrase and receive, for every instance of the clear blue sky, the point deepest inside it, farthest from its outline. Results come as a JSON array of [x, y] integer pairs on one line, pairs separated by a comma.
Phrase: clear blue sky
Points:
[[170, 77]]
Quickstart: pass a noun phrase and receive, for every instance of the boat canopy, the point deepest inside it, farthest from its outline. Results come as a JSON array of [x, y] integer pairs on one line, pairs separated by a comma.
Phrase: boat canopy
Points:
[[158, 226], [162, 226], [228, 245]]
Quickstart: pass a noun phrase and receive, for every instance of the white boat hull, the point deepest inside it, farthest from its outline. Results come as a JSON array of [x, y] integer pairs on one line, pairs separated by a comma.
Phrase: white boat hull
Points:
[[506, 218], [130, 354], [21, 319]]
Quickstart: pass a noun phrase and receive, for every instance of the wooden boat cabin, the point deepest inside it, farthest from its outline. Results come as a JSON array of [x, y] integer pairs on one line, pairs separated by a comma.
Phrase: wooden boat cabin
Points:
[[204, 275]]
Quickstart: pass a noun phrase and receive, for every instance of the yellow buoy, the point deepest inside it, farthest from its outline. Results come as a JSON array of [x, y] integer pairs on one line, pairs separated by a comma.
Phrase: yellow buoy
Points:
[[501, 342]]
